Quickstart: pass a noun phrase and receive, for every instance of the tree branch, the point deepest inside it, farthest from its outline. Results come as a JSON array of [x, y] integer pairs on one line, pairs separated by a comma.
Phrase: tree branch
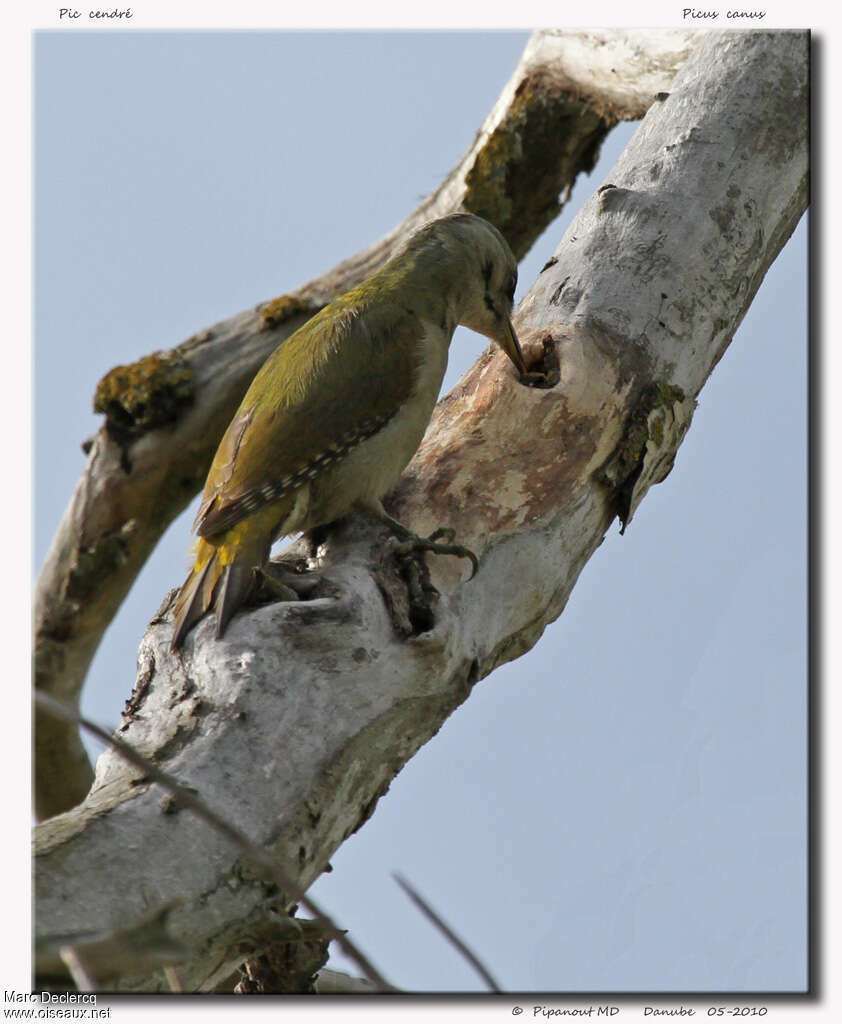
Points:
[[299, 718], [181, 797], [166, 413]]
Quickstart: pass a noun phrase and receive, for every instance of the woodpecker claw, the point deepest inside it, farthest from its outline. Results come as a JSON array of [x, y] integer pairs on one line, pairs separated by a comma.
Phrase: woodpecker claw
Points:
[[285, 584], [276, 587], [412, 543], [443, 531]]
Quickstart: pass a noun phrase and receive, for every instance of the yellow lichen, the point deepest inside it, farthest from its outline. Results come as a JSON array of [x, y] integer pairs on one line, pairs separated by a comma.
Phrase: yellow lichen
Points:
[[276, 311], [145, 394]]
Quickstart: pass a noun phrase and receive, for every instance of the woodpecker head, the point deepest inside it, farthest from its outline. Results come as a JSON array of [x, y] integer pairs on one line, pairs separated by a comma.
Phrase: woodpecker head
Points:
[[483, 276]]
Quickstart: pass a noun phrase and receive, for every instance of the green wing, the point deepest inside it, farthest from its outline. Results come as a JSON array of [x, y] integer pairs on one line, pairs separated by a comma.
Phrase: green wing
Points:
[[339, 379]]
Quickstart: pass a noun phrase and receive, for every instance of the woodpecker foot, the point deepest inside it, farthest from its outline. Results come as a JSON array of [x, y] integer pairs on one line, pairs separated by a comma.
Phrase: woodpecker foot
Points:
[[405, 542], [281, 581], [404, 579]]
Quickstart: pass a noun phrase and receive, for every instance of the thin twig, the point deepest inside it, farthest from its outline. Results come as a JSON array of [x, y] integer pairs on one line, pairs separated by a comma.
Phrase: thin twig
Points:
[[78, 972], [449, 934], [173, 979], [188, 799]]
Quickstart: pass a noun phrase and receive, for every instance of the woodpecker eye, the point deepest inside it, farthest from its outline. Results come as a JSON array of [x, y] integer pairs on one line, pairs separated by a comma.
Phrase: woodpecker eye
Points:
[[511, 289]]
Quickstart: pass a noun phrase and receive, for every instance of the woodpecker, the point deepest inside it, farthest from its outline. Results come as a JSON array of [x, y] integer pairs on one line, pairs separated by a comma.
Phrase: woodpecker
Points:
[[339, 408]]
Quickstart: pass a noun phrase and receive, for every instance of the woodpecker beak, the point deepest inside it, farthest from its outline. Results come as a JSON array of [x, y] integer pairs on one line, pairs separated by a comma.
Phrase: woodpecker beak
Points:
[[511, 346]]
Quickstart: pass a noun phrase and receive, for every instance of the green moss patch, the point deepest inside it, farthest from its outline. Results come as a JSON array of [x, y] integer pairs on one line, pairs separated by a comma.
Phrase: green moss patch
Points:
[[644, 425]]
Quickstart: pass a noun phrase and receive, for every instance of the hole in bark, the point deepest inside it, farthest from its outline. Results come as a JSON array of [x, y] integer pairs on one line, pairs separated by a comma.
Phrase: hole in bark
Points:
[[543, 371]]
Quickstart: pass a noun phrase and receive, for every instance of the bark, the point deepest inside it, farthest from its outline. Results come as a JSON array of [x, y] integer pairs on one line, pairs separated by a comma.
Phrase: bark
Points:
[[297, 721], [289, 969], [166, 413]]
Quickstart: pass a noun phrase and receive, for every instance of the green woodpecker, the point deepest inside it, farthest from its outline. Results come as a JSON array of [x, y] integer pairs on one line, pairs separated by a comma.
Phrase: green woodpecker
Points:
[[337, 411]]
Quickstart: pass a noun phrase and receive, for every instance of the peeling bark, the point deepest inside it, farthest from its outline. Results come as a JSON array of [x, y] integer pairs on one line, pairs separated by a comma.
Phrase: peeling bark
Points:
[[166, 413], [288, 968], [296, 722]]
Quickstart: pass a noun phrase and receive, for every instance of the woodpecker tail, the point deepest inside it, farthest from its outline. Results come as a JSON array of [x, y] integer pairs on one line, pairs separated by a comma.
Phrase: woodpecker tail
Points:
[[221, 577]]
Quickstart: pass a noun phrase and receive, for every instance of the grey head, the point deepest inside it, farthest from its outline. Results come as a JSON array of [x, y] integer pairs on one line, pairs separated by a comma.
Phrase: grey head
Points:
[[480, 272]]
